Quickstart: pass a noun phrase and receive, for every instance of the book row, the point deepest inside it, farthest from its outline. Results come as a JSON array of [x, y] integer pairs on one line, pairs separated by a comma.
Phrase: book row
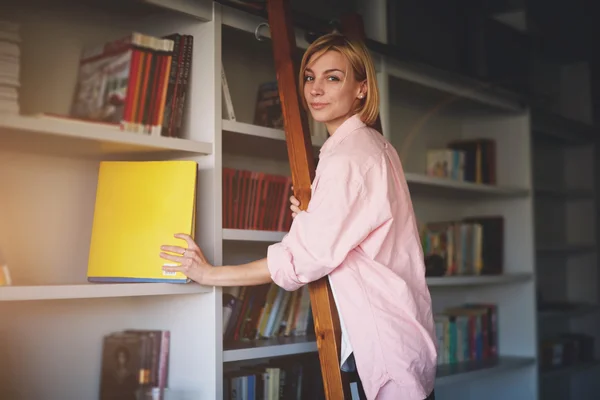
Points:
[[134, 362], [266, 311], [283, 379], [471, 246], [464, 160], [467, 333], [256, 200], [137, 81], [566, 349], [10, 58]]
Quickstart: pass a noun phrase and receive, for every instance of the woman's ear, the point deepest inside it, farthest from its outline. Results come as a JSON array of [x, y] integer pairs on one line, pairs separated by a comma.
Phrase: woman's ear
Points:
[[363, 90]]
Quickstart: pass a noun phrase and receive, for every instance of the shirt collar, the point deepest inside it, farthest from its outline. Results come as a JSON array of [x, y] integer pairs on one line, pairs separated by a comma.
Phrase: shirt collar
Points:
[[346, 128]]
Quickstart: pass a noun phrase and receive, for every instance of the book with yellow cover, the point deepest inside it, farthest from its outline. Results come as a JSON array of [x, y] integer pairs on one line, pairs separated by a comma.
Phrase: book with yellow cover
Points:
[[139, 206]]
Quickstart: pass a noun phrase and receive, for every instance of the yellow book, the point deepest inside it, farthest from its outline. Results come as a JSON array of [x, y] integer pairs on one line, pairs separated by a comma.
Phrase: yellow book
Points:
[[139, 206]]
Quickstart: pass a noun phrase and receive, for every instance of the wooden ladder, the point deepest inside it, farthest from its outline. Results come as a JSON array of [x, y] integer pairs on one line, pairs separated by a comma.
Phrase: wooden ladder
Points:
[[302, 164]]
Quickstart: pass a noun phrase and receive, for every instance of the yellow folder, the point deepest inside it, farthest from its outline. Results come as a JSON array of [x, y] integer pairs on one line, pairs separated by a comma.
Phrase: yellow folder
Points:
[[139, 206]]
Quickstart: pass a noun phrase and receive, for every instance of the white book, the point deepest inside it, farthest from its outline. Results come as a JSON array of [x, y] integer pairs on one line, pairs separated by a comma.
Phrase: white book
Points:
[[227, 95]]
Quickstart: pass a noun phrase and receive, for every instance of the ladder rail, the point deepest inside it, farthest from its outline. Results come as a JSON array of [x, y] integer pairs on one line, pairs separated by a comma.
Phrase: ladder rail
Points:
[[302, 165]]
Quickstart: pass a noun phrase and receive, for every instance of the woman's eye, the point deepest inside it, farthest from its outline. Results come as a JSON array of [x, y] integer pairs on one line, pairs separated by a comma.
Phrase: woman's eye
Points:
[[308, 78], [333, 78]]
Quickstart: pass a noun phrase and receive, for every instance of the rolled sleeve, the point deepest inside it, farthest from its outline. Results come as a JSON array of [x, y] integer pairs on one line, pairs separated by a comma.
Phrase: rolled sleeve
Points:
[[281, 267], [336, 221]]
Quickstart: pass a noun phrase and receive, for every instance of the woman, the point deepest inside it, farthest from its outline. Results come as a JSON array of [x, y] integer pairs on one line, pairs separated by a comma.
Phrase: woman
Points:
[[359, 229]]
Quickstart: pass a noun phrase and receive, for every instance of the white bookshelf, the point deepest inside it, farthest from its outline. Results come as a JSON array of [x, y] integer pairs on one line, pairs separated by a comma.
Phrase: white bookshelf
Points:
[[48, 168], [564, 165], [65, 137], [429, 115], [48, 173], [97, 291], [408, 94]]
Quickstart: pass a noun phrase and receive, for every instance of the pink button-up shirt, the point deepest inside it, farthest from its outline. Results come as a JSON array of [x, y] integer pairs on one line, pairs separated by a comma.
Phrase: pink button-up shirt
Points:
[[360, 229]]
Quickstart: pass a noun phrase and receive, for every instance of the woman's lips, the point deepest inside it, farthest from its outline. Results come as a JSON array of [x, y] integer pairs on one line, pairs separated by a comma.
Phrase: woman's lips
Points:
[[318, 106]]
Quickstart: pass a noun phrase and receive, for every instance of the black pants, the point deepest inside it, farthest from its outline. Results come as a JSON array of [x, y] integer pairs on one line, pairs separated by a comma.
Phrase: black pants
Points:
[[353, 377]]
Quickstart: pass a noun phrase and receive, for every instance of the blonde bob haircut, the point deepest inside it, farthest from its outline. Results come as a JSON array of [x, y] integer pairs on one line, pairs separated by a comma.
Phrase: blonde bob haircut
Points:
[[361, 63]]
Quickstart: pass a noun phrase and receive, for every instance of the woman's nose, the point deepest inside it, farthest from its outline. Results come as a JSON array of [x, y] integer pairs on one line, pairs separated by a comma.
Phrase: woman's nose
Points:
[[316, 88]]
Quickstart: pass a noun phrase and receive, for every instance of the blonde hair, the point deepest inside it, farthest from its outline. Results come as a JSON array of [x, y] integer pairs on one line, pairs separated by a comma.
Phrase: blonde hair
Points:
[[360, 60]]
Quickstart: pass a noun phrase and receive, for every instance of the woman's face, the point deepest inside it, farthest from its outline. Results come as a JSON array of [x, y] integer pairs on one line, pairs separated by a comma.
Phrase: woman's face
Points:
[[330, 89]]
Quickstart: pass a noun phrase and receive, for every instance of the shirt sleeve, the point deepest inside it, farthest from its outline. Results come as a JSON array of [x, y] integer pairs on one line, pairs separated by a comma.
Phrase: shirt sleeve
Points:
[[336, 221]]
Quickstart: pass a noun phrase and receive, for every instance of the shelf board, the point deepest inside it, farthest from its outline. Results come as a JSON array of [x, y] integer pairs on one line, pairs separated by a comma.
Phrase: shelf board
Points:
[[477, 280], [261, 131], [273, 347], [431, 185], [473, 370], [566, 248], [253, 130], [64, 137], [576, 310], [97, 290], [248, 235], [569, 369], [201, 10], [434, 87], [565, 193], [265, 142], [562, 130]]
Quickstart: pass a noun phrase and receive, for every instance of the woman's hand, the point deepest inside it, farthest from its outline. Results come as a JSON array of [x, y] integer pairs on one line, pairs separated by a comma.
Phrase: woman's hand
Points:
[[193, 263], [295, 206]]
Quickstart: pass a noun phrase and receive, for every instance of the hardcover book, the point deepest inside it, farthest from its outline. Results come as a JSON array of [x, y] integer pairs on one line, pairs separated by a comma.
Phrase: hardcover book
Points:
[[139, 206]]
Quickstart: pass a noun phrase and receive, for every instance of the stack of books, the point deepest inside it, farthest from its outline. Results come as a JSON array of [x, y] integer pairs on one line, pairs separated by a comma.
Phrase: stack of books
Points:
[[10, 55], [138, 82]]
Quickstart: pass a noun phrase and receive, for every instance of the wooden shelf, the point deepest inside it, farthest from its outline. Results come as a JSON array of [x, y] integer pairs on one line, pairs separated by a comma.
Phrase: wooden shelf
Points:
[[99, 290], [477, 280], [473, 370], [430, 185], [275, 347], [56, 136]]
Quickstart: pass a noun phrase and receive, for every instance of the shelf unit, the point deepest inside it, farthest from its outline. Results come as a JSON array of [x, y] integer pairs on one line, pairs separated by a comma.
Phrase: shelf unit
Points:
[[407, 96], [49, 167], [568, 279]]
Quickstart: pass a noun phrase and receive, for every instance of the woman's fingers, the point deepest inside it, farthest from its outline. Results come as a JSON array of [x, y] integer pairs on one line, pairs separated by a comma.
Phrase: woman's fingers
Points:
[[173, 249], [188, 239], [189, 261], [192, 246], [294, 201], [171, 257]]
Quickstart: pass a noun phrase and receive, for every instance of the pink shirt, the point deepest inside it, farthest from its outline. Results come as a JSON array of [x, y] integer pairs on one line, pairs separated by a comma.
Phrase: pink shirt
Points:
[[360, 229]]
